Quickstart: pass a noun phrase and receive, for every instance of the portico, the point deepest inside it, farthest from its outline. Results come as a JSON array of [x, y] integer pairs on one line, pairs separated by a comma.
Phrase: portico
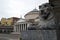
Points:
[[21, 25]]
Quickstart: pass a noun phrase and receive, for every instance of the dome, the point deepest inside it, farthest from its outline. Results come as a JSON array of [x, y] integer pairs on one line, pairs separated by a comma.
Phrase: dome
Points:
[[34, 11]]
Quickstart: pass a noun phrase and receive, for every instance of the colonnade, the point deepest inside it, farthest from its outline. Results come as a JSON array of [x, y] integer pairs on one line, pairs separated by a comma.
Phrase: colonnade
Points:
[[21, 27]]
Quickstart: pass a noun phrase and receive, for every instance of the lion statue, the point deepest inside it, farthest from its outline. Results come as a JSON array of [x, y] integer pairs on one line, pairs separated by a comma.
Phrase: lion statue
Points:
[[47, 19]]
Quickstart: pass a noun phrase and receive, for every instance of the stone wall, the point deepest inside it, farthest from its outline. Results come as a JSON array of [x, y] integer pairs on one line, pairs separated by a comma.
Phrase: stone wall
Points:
[[39, 35]]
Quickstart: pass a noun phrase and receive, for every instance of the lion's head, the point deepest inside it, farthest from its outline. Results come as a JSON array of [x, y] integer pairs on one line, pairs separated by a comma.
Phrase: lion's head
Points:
[[45, 11]]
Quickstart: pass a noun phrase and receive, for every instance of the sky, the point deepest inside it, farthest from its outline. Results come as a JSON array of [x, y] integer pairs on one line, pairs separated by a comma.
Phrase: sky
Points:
[[18, 8]]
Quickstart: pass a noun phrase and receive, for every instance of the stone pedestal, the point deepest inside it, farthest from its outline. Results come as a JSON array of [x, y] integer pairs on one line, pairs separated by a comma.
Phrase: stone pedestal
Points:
[[39, 35]]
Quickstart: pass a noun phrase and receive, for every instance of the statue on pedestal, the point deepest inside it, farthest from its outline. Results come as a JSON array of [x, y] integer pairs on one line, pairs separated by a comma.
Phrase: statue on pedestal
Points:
[[47, 22], [46, 29]]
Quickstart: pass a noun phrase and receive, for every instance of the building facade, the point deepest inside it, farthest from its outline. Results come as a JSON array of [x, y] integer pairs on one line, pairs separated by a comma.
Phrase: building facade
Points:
[[21, 25], [6, 29], [6, 25], [9, 21]]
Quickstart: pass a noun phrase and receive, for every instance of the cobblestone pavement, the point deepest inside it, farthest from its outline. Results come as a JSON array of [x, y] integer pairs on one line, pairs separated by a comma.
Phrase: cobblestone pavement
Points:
[[9, 36]]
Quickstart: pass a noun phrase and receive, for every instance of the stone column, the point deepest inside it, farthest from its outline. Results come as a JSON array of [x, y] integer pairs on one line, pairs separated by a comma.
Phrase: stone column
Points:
[[56, 9], [56, 5], [25, 27], [18, 28], [14, 28], [21, 27]]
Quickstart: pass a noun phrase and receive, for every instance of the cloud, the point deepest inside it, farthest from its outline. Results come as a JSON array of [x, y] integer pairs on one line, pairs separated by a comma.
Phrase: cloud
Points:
[[10, 8]]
